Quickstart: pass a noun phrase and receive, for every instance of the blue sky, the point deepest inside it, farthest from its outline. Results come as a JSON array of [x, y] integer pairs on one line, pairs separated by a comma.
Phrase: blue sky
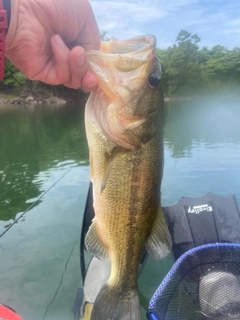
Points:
[[215, 21]]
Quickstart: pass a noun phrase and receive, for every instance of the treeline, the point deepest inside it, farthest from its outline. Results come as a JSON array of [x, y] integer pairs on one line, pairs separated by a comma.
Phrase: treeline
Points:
[[189, 70], [15, 83]]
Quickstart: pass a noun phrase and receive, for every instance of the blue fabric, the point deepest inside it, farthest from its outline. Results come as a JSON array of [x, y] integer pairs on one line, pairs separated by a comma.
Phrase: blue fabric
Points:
[[7, 7]]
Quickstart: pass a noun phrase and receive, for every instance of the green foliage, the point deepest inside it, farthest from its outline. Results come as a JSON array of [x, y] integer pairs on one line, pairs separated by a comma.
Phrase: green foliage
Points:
[[186, 70], [17, 84], [20, 78], [103, 36], [189, 70], [9, 71], [14, 81]]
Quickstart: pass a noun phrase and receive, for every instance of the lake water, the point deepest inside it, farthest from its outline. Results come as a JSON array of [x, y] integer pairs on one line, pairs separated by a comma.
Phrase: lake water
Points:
[[44, 176]]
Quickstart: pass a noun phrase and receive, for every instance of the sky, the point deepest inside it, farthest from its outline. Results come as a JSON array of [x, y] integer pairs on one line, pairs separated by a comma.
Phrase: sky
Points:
[[217, 22]]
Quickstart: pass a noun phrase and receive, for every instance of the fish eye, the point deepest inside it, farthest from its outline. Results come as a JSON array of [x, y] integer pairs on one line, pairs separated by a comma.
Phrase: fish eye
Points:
[[154, 79]]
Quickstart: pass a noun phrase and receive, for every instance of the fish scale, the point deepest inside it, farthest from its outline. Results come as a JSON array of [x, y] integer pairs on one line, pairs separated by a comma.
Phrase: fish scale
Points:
[[125, 137]]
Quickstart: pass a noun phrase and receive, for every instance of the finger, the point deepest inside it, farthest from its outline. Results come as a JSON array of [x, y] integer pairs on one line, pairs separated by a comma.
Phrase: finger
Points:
[[61, 71], [78, 66], [80, 76], [89, 82]]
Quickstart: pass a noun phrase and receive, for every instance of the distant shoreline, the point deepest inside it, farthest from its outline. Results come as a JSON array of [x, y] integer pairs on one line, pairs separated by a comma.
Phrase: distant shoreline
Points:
[[11, 99], [38, 99], [16, 100]]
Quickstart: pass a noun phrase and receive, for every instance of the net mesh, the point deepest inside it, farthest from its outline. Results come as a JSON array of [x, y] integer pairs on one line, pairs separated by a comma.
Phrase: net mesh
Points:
[[204, 283]]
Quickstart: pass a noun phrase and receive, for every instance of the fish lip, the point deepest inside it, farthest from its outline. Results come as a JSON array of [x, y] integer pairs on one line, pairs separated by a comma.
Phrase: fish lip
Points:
[[133, 45], [125, 47]]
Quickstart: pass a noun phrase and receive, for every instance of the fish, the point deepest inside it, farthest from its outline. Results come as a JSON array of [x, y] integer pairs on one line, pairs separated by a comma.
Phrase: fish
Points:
[[124, 129]]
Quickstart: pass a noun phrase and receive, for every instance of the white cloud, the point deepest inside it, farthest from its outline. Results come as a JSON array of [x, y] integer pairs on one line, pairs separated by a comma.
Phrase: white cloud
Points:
[[121, 18], [235, 22], [232, 31], [126, 11], [216, 22]]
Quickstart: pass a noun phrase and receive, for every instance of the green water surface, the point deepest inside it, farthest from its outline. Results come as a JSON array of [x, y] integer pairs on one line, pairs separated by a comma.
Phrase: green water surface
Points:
[[44, 165]]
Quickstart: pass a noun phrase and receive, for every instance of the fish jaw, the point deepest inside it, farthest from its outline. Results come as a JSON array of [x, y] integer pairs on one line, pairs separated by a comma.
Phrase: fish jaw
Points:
[[123, 80], [120, 56]]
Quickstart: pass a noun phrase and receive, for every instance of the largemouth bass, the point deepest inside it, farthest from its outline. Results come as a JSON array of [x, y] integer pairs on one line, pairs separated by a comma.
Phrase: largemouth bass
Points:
[[124, 126]]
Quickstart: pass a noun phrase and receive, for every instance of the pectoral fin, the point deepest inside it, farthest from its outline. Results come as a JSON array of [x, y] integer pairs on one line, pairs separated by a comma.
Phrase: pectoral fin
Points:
[[94, 244], [109, 159], [108, 163], [159, 242]]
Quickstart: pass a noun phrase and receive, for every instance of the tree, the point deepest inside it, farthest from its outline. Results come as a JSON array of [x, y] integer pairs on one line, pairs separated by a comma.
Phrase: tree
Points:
[[188, 70], [181, 69]]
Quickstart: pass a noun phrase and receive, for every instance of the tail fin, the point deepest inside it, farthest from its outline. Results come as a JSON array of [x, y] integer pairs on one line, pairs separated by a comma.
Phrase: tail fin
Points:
[[111, 304]]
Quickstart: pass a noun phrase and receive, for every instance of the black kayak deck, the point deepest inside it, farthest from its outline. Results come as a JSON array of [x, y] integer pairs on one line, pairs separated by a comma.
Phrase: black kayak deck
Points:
[[208, 219]]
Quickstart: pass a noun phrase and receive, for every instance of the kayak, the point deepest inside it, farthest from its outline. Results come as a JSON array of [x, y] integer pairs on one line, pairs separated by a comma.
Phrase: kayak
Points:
[[193, 223], [6, 313]]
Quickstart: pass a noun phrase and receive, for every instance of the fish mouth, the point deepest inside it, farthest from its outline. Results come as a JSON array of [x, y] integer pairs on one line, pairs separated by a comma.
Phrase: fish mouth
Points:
[[133, 46], [122, 63], [137, 45], [123, 69]]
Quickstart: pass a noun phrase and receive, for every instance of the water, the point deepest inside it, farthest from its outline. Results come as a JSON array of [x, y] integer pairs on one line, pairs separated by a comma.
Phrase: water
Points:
[[202, 149], [44, 165]]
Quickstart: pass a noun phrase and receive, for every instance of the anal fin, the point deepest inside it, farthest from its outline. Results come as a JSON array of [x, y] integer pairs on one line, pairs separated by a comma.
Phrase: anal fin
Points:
[[159, 242], [94, 244]]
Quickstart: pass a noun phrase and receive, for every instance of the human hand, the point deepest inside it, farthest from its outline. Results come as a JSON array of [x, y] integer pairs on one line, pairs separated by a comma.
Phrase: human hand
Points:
[[46, 41]]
